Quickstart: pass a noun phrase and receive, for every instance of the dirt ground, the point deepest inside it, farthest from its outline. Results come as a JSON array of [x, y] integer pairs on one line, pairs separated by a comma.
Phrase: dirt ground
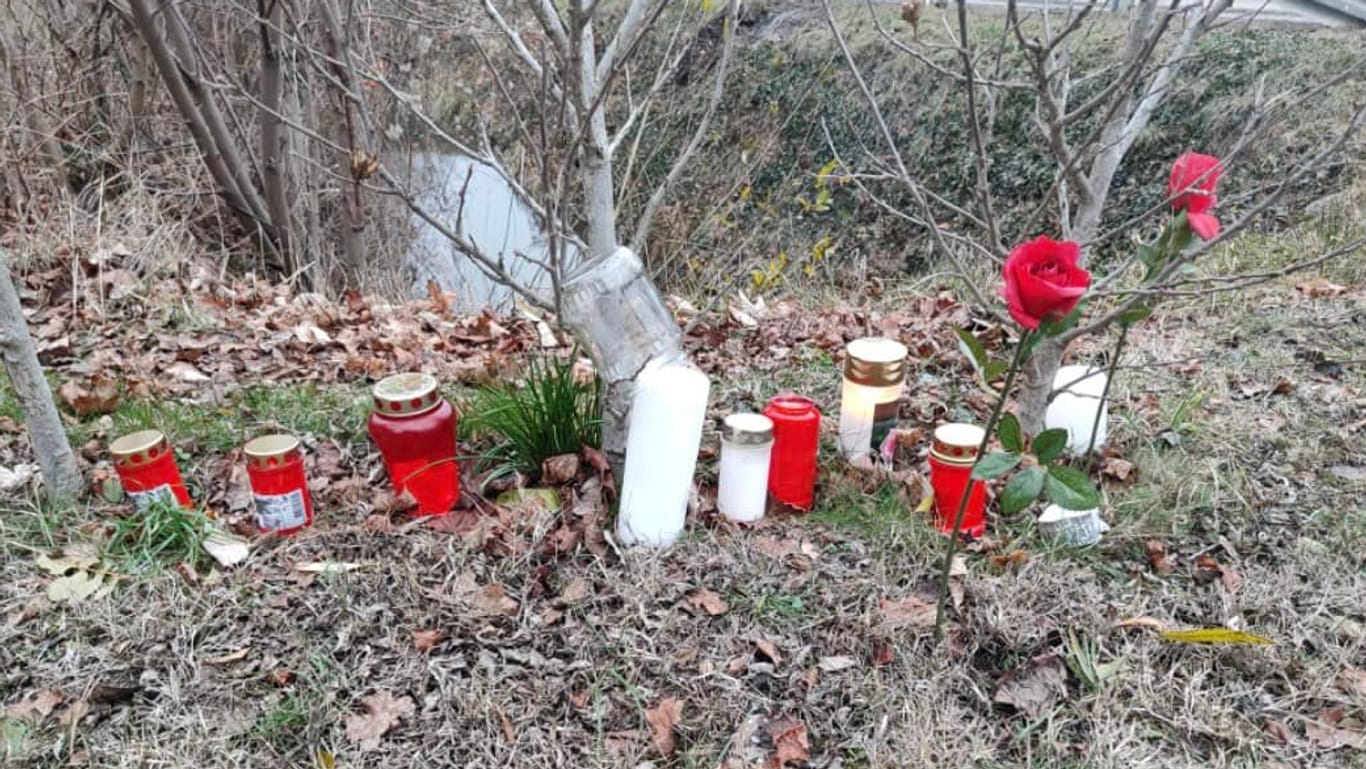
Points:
[[796, 643]]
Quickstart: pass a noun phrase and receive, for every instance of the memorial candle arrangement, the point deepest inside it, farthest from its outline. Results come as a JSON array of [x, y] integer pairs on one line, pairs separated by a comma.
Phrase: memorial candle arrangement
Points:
[[874, 371], [415, 430], [742, 486], [796, 440], [147, 469], [275, 467], [952, 453]]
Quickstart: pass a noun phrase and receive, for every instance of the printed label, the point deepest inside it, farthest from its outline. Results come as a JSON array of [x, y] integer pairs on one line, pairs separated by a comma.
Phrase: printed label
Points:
[[275, 512], [148, 497], [884, 420]]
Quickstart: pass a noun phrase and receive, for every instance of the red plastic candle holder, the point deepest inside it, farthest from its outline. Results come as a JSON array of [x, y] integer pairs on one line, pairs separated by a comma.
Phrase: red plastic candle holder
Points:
[[415, 430], [952, 454], [796, 439], [275, 467], [147, 469]]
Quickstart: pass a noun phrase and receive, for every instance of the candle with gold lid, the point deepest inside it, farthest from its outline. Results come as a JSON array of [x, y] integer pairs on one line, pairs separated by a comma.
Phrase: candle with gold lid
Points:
[[953, 450], [147, 469], [275, 466], [415, 430], [874, 372]]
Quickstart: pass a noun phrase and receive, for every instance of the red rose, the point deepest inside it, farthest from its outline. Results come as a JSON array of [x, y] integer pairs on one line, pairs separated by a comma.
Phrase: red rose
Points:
[[1043, 280], [1194, 177]]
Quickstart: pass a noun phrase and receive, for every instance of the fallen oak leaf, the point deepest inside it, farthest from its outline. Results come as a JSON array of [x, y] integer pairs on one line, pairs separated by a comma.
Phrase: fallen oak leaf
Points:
[[707, 601], [560, 469], [41, 704], [1327, 733], [1033, 689], [791, 744], [425, 640], [663, 718], [908, 612], [383, 711]]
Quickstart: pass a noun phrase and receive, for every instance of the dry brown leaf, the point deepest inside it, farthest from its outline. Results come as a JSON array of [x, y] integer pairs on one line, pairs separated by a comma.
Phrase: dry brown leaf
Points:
[[280, 677], [1148, 622], [1121, 470], [909, 612], [577, 590], [1033, 689], [425, 640], [560, 469], [662, 719], [383, 711], [73, 713], [41, 704], [386, 502], [1157, 556], [1207, 570], [102, 397], [1327, 733], [1319, 287], [770, 651], [1277, 731], [1013, 558], [708, 601], [790, 742], [882, 653], [1283, 387], [186, 372], [1352, 681], [495, 600], [231, 657]]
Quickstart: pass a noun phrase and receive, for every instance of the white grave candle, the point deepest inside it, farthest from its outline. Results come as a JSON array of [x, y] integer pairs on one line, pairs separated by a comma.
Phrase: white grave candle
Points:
[[746, 445], [1074, 407]]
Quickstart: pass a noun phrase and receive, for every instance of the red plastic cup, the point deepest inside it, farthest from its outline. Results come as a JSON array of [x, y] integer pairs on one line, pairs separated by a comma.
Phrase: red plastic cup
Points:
[[147, 469], [952, 454], [275, 467], [796, 439]]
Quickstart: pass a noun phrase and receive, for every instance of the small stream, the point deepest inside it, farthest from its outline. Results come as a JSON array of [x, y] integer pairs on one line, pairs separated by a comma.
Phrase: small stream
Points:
[[493, 218]]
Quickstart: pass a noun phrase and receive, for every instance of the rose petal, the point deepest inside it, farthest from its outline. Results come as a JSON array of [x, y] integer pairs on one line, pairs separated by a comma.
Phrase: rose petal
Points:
[[1204, 225]]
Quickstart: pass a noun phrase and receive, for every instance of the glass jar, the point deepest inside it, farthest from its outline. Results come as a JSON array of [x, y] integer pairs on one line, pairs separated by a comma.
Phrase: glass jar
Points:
[[874, 372], [147, 469], [742, 485], [275, 467], [952, 453], [796, 440], [415, 429]]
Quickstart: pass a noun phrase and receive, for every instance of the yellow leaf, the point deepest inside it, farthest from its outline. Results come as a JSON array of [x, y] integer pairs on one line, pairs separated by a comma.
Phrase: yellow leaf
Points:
[[1215, 635], [925, 505], [325, 760]]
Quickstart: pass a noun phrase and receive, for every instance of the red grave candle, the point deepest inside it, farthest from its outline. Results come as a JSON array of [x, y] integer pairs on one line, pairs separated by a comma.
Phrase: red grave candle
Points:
[[275, 466], [147, 469], [796, 438], [414, 428], [952, 454]]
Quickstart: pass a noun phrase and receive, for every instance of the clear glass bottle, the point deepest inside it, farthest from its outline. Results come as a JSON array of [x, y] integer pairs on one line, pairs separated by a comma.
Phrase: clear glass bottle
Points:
[[874, 373], [415, 430], [742, 485]]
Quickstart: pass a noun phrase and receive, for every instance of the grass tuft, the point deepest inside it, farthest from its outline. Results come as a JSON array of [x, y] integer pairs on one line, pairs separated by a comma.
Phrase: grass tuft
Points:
[[550, 412], [161, 536]]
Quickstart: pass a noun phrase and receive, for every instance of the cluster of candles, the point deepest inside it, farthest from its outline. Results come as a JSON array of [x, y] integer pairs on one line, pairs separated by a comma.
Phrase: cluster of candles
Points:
[[763, 456], [413, 426]]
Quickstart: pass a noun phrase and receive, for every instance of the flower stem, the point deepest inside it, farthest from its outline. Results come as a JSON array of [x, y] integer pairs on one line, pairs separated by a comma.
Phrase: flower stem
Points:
[[1105, 390], [952, 548]]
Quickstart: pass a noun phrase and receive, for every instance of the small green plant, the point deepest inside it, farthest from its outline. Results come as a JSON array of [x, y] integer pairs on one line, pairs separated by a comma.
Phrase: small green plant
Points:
[[550, 412], [1083, 659], [162, 535]]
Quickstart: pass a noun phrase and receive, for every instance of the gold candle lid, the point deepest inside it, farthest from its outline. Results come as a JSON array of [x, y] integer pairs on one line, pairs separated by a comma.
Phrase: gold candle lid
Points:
[[270, 451], [138, 448], [403, 395], [875, 361], [747, 429], [957, 442]]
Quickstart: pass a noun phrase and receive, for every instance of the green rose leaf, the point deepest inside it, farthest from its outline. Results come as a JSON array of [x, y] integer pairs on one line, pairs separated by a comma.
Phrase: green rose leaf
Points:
[[1135, 314], [1022, 489], [1070, 489], [972, 347], [1009, 433], [1049, 444], [1051, 327], [995, 465], [994, 370]]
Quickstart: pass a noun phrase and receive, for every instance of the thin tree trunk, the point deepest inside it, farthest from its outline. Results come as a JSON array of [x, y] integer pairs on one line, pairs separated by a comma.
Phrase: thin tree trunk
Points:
[[353, 215], [137, 93], [599, 198], [616, 313], [43, 134], [61, 478], [272, 148], [1037, 389]]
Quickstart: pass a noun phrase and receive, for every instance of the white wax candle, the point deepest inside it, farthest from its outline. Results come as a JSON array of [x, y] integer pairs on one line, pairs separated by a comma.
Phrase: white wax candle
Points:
[[1074, 407], [665, 432], [742, 485]]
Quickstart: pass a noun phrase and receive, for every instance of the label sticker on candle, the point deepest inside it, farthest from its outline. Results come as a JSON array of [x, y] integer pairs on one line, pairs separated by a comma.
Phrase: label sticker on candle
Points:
[[148, 497], [884, 420], [280, 511]]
